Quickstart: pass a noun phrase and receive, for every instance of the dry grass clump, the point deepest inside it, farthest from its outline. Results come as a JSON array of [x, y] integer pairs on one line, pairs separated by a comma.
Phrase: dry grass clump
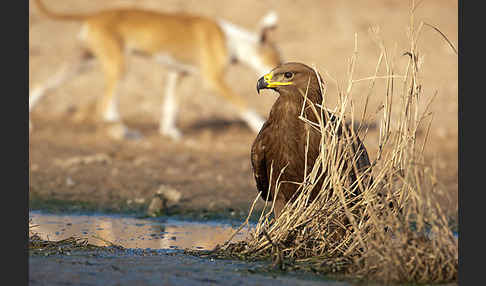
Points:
[[392, 230]]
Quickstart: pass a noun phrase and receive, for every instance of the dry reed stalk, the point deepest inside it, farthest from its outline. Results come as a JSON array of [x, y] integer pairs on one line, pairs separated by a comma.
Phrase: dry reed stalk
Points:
[[391, 230]]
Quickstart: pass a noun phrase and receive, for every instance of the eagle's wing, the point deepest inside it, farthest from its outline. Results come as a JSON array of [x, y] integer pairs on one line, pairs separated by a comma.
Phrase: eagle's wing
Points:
[[259, 164]]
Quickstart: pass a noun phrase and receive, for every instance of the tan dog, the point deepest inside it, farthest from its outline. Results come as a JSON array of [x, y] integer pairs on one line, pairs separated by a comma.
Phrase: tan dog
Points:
[[187, 44]]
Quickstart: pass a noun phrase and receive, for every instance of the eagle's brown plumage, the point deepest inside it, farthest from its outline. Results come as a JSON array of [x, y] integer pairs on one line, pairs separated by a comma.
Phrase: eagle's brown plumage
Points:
[[282, 139]]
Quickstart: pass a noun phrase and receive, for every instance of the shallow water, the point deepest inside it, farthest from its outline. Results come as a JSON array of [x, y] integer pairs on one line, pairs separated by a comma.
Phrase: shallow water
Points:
[[131, 232]]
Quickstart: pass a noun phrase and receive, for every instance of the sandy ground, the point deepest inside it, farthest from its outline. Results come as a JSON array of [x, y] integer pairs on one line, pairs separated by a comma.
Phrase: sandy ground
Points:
[[210, 167]]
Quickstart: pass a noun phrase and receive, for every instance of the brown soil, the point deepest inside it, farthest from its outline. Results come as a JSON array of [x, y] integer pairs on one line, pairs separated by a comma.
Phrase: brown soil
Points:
[[78, 163]]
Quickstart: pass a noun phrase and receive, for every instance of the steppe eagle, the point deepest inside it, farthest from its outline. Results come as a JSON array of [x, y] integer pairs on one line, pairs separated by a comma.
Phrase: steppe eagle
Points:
[[282, 139]]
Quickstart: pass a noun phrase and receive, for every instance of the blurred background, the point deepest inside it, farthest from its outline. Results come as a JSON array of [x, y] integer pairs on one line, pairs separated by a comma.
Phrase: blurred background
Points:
[[73, 166]]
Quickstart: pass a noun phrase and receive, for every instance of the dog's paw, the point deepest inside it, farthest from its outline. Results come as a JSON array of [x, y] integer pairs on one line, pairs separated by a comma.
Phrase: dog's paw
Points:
[[172, 133], [119, 131]]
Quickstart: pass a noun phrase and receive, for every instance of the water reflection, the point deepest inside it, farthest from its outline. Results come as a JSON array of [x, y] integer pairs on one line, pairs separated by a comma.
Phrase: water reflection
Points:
[[132, 232]]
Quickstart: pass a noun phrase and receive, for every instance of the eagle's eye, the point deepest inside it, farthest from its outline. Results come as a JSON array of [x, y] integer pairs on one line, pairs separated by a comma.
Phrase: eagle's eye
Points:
[[288, 75]]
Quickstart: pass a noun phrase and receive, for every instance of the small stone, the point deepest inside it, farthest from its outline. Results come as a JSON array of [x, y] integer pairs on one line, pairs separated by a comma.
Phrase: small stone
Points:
[[155, 207], [70, 182], [164, 198], [170, 195]]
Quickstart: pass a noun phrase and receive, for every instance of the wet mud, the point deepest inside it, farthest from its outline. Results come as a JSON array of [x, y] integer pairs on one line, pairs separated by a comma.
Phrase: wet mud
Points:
[[99, 249], [156, 268]]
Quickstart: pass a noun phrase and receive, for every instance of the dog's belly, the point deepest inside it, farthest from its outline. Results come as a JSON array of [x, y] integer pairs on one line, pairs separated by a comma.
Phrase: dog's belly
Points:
[[175, 64], [166, 59]]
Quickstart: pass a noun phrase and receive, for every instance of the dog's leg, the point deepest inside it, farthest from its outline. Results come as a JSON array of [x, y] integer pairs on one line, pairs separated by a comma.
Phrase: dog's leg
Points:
[[81, 62], [108, 108], [214, 61], [67, 72], [108, 49], [169, 108], [111, 58], [109, 103], [251, 118]]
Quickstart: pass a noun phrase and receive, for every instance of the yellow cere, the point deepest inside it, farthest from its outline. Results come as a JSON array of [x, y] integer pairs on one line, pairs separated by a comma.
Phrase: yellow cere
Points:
[[268, 77]]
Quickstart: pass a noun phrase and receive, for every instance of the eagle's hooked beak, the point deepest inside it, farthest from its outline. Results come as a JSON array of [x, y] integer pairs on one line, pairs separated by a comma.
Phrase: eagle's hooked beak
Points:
[[267, 81], [261, 84]]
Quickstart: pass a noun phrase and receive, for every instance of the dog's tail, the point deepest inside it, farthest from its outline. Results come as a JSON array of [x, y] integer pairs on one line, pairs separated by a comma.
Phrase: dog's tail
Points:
[[57, 16]]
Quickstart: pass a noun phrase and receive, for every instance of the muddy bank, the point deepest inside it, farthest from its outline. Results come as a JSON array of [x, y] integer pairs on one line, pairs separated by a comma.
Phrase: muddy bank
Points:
[[139, 267], [119, 250]]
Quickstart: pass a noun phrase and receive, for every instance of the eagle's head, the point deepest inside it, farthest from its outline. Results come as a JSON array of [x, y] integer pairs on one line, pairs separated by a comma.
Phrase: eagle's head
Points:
[[289, 78]]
